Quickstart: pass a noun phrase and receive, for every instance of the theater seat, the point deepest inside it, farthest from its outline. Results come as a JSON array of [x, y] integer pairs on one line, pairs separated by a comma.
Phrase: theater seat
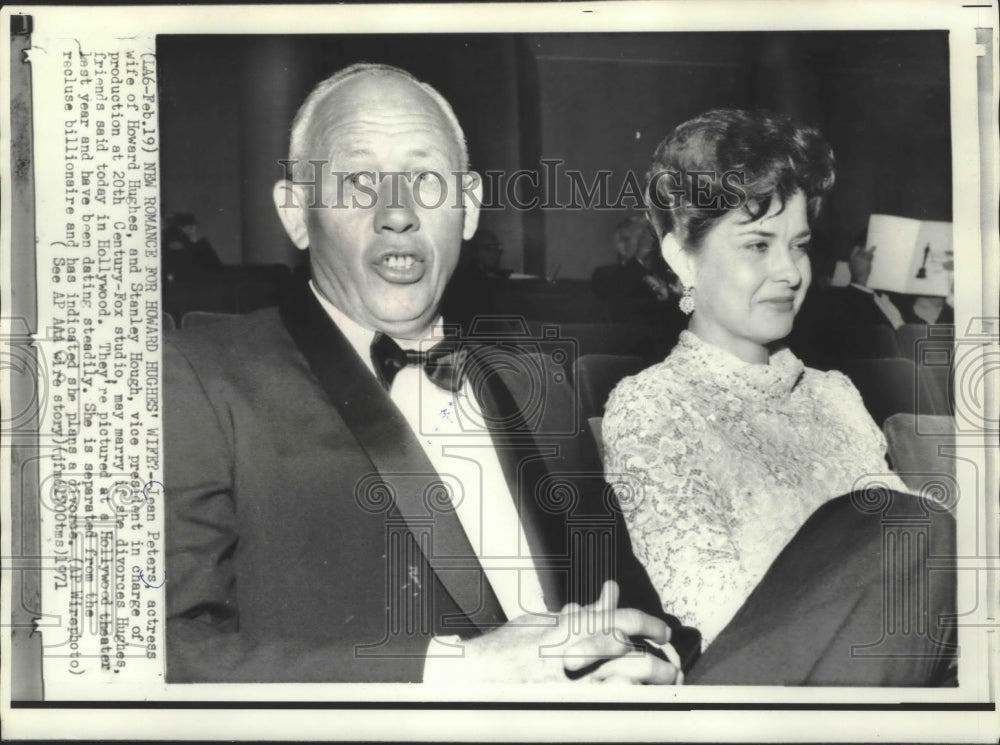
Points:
[[888, 386], [936, 382], [253, 294], [919, 450], [202, 318], [595, 423], [559, 304], [596, 375], [603, 338], [926, 344], [214, 294], [859, 343]]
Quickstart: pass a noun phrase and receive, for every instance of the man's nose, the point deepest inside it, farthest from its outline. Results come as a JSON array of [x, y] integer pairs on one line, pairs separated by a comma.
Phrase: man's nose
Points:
[[396, 209]]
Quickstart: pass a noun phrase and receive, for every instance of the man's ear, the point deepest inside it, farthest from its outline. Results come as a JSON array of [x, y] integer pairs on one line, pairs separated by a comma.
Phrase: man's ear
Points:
[[291, 204], [678, 259], [472, 199]]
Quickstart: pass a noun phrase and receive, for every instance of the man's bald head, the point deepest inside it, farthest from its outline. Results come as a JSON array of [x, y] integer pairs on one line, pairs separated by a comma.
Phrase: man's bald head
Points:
[[307, 136]]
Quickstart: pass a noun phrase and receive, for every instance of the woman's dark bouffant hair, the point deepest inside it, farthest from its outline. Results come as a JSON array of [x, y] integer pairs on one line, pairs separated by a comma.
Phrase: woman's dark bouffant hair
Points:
[[729, 159]]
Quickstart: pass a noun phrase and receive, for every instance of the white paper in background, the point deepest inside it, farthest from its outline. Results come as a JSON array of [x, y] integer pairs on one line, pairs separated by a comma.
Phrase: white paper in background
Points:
[[914, 257], [99, 320]]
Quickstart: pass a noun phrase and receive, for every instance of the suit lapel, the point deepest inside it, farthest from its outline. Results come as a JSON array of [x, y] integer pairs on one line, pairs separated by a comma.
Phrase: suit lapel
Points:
[[504, 394], [396, 455]]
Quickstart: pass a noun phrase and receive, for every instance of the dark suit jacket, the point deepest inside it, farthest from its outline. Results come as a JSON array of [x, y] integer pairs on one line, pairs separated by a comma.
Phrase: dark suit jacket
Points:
[[305, 537]]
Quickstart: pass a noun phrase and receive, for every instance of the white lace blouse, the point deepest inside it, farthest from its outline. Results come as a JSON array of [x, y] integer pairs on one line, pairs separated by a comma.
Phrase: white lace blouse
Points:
[[717, 463]]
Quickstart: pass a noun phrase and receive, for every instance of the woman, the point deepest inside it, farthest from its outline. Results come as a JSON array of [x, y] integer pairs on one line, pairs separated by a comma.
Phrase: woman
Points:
[[730, 444]]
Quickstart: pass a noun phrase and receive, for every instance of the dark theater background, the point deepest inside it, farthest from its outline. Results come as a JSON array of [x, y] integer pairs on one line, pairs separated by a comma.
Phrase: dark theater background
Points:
[[595, 103]]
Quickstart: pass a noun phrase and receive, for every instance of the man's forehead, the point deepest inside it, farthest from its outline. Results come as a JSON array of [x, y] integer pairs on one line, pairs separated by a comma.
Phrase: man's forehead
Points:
[[360, 114], [380, 93]]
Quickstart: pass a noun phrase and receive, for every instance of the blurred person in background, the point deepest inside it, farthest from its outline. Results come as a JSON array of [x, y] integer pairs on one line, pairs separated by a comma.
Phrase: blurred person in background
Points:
[[186, 252], [640, 272]]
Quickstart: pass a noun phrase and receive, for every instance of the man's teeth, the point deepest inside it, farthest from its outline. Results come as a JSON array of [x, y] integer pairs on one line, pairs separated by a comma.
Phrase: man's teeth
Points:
[[399, 262]]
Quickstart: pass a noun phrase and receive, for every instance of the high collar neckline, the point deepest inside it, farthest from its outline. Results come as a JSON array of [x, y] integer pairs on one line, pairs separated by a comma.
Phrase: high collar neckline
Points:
[[707, 363]]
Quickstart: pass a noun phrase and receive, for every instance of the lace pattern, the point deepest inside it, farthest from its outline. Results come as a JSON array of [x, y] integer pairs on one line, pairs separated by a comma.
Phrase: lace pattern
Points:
[[718, 462]]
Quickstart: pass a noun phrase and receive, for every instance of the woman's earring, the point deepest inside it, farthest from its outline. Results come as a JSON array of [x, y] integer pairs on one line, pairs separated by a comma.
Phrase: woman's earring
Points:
[[687, 301]]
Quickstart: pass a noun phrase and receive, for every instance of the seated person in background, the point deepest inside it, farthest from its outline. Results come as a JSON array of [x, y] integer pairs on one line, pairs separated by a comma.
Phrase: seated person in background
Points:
[[186, 254], [640, 272], [927, 309], [722, 452], [476, 287], [839, 324], [482, 255], [858, 305]]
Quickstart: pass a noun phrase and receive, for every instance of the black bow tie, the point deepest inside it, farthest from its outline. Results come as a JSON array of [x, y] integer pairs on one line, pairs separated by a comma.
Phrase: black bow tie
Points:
[[444, 363]]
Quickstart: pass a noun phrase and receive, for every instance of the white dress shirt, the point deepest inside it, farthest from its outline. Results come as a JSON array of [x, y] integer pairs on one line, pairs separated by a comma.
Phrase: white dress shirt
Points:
[[451, 430]]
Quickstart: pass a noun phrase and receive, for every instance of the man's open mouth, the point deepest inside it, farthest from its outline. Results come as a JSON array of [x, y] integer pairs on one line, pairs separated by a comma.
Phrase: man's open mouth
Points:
[[399, 261], [400, 267]]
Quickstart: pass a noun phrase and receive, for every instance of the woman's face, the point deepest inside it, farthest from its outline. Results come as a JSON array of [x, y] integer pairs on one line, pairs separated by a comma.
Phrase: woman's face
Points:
[[750, 279]]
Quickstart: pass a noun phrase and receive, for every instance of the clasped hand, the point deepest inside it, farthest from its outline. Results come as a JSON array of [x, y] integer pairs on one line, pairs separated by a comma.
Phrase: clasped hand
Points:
[[591, 643]]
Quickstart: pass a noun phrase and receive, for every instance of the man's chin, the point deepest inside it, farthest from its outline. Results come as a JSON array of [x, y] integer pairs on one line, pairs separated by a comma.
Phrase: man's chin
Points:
[[405, 323]]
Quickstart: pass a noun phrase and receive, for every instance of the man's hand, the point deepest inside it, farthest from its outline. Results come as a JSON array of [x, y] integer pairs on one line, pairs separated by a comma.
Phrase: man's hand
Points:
[[860, 263], [590, 643]]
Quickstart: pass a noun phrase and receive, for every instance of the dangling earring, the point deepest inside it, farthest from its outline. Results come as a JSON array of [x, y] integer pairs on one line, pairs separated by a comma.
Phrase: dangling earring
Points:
[[687, 301]]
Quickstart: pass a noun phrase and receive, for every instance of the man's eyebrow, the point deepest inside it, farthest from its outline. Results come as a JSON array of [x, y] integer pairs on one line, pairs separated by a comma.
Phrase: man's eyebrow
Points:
[[431, 152], [416, 154], [357, 153]]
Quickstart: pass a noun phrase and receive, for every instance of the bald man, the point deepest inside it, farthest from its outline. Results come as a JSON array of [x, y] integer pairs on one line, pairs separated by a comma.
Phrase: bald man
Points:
[[349, 498]]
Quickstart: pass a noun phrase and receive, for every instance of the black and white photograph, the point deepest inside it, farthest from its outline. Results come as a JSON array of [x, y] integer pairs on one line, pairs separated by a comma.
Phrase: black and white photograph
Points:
[[410, 369]]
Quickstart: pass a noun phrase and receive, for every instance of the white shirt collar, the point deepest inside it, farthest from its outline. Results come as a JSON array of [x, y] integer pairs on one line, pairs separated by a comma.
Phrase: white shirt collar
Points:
[[360, 337]]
